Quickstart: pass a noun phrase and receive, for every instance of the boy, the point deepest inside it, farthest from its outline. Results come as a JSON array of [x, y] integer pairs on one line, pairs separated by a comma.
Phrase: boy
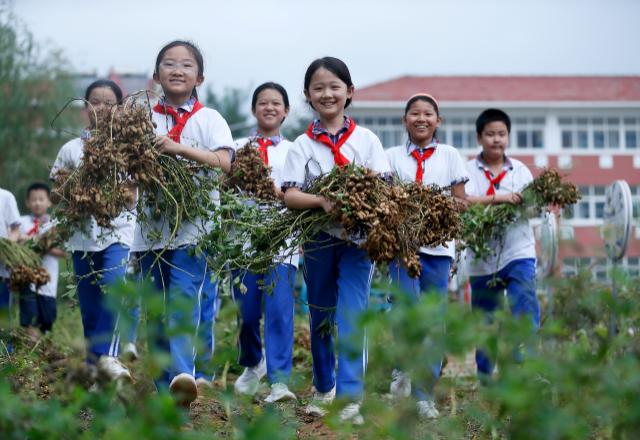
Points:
[[496, 178], [38, 308]]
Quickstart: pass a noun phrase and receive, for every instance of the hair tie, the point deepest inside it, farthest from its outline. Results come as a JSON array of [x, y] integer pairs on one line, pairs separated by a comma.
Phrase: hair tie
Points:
[[426, 95]]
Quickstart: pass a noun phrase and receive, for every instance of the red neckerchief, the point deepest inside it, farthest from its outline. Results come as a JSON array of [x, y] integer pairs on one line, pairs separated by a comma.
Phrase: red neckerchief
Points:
[[420, 158], [338, 158], [36, 227], [179, 120], [494, 182], [263, 144]]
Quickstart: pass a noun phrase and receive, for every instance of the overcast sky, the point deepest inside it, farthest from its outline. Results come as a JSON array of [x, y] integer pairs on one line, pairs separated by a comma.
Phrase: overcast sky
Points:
[[248, 42]]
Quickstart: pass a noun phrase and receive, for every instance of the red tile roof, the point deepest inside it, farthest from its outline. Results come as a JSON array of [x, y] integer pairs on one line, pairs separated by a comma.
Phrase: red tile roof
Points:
[[506, 88]]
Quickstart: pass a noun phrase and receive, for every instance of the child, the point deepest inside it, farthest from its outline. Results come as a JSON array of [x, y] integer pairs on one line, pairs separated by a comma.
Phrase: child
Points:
[[9, 228], [188, 129], [423, 159], [38, 307], [338, 273], [496, 178], [270, 106], [99, 256]]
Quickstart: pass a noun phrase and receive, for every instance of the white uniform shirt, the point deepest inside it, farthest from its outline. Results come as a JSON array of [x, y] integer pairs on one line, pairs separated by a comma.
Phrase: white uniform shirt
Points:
[[309, 159], [9, 218], [444, 168], [49, 262], [93, 238], [519, 241], [206, 130], [277, 158]]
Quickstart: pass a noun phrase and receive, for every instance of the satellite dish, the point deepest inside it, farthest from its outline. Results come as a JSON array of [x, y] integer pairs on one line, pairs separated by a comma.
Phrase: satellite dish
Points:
[[548, 235], [617, 219]]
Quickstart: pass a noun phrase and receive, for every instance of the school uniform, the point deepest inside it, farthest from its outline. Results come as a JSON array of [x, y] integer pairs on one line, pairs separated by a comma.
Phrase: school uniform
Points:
[[515, 261], [99, 260], [38, 304], [273, 289], [337, 273], [180, 273], [440, 165], [9, 219]]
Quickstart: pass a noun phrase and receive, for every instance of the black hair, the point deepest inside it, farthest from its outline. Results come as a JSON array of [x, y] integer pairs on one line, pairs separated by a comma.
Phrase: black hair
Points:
[[270, 85], [492, 115], [37, 186], [427, 99], [333, 65], [424, 98], [191, 47], [115, 88]]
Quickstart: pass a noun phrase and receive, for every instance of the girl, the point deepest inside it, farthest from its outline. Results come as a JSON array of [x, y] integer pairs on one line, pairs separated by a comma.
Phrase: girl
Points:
[[188, 129], [99, 256], [423, 159], [270, 107], [338, 273]]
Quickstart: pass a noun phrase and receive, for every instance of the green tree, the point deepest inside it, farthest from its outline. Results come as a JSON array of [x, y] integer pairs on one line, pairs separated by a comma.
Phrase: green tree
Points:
[[34, 85], [231, 105]]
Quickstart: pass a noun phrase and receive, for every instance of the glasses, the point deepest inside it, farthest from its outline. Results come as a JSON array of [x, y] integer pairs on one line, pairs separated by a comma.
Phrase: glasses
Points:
[[174, 65]]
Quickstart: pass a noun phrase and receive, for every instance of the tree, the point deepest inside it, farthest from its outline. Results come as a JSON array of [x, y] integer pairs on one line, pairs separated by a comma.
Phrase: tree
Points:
[[34, 86], [231, 105]]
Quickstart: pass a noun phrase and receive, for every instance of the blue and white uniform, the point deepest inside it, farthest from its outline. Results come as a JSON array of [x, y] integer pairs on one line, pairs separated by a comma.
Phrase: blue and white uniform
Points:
[[444, 167], [337, 273], [273, 288], [180, 274], [99, 259], [515, 260], [9, 219]]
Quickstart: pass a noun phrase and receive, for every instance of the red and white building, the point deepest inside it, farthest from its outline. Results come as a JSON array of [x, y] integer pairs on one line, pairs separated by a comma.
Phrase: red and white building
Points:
[[588, 127]]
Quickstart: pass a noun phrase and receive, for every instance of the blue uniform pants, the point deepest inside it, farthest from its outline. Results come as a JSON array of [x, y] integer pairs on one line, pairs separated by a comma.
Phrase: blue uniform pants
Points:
[[519, 279], [274, 291], [5, 312], [94, 271], [206, 336], [338, 276]]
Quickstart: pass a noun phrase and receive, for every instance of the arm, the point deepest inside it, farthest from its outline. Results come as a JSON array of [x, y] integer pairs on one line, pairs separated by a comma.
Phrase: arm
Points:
[[496, 199], [296, 199], [216, 159], [57, 252], [460, 196]]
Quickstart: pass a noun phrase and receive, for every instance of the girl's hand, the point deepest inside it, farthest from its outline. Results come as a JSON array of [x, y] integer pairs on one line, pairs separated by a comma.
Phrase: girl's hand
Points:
[[166, 145], [513, 198], [327, 205]]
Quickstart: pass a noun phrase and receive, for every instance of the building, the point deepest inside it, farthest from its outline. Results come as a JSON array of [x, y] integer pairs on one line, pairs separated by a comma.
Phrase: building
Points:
[[128, 82], [586, 126]]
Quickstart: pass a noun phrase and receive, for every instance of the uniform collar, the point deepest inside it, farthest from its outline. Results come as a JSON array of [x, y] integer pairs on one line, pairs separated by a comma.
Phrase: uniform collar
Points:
[[186, 106], [480, 163], [319, 129], [411, 147]]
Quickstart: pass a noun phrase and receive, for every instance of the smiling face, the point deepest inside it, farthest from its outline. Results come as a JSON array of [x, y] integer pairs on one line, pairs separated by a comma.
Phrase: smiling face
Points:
[[38, 202], [98, 98], [328, 94], [421, 121], [494, 140], [270, 111], [178, 74]]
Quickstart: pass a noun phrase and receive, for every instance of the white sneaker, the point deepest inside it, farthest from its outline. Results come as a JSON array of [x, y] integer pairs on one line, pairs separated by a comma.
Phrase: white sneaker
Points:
[[351, 413], [427, 409], [400, 384], [249, 380], [130, 352], [318, 401], [279, 391], [112, 368], [184, 389]]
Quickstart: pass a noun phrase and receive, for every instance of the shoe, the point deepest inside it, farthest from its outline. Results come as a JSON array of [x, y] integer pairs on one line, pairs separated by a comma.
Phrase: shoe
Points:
[[184, 389], [351, 413], [203, 385], [427, 409], [279, 391], [113, 369], [318, 401], [400, 385], [130, 352], [249, 380]]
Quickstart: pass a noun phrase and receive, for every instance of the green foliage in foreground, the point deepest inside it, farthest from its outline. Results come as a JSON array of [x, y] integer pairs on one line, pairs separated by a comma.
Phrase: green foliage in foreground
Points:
[[570, 380]]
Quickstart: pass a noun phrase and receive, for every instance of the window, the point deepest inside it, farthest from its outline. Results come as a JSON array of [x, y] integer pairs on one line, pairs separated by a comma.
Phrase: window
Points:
[[600, 268], [599, 133], [528, 132], [389, 129], [458, 131], [590, 206]]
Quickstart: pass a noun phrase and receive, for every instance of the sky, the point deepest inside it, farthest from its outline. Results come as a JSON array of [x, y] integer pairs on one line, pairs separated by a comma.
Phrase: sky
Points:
[[248, 42]]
